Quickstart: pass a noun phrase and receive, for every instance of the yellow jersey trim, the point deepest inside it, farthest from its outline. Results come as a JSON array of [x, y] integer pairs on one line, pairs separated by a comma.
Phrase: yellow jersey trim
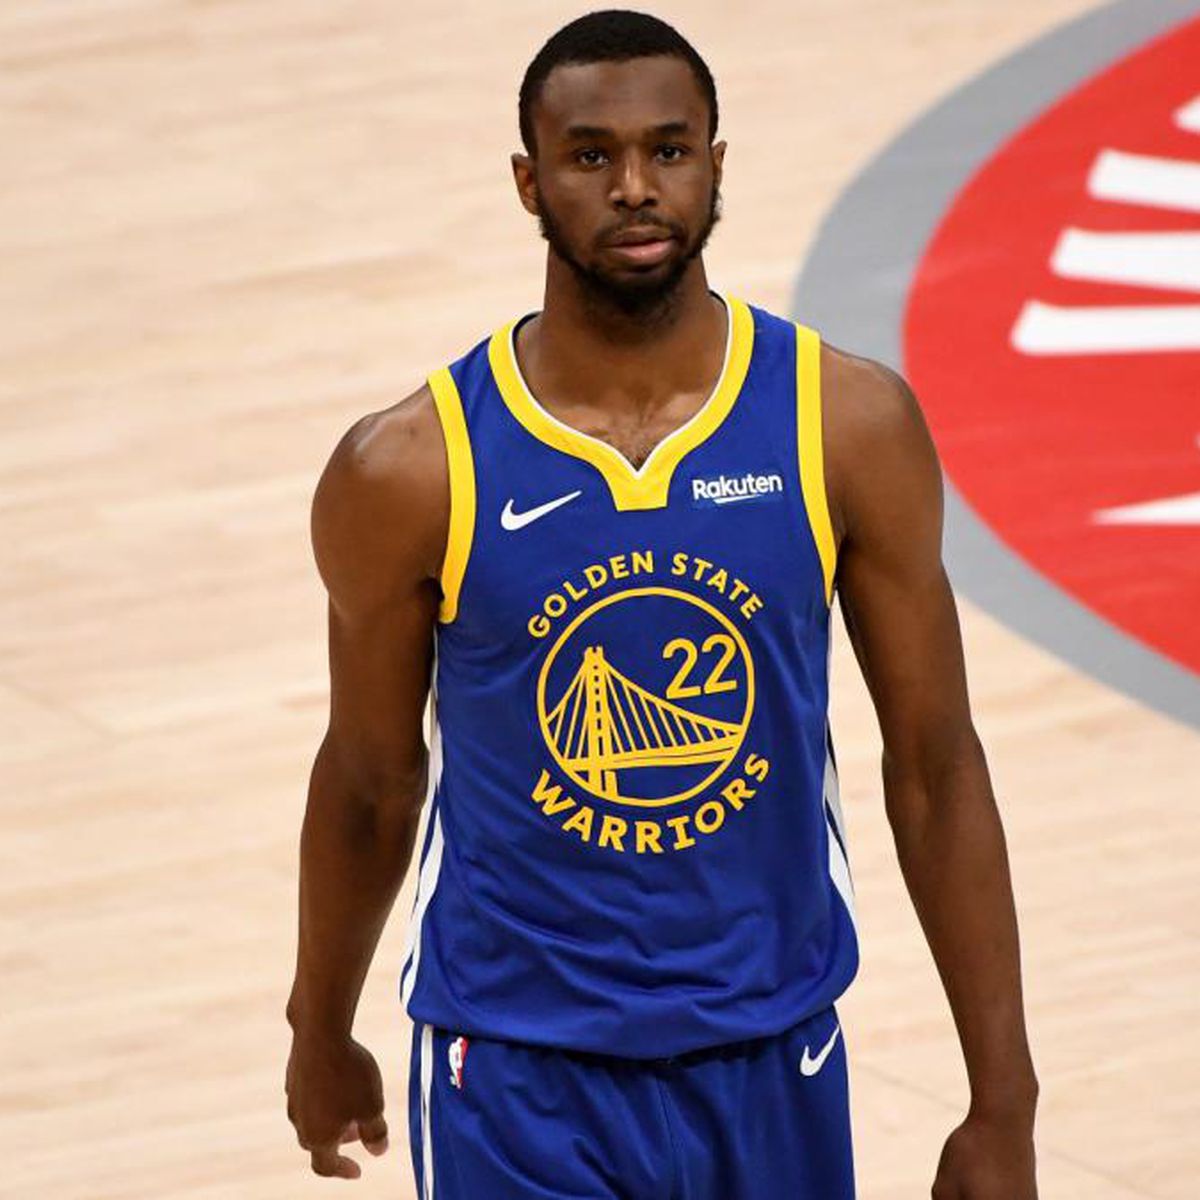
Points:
[[462, 489], [812, 456], [645, 486]]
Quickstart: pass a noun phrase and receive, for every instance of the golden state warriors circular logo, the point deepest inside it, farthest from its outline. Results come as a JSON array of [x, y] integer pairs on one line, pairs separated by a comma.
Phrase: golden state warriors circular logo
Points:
[[645, 697]]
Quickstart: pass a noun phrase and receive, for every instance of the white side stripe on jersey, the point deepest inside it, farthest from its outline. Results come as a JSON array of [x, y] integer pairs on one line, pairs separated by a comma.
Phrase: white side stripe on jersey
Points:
[[839, 866], [431, 865], [426, 885]]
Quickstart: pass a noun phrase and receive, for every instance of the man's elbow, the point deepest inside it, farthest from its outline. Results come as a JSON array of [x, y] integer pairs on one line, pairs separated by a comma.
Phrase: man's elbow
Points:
[[923, 777], [365, 805]]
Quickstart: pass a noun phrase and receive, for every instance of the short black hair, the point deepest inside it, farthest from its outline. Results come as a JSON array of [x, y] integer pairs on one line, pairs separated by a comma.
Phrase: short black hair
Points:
[[610, 35]]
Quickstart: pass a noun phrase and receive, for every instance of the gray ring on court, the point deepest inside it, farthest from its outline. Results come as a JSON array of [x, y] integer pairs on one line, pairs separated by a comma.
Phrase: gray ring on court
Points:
[[856, 278]]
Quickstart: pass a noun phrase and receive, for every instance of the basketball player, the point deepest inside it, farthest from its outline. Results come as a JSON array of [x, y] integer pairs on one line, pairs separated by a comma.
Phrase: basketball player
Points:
[[609, 536]]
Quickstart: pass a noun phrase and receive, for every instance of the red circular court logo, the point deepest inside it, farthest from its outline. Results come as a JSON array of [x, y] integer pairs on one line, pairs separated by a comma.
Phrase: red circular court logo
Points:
[[1052, 333]]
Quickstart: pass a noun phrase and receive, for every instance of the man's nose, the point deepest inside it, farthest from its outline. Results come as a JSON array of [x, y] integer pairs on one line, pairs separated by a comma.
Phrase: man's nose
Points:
[[635, 184]]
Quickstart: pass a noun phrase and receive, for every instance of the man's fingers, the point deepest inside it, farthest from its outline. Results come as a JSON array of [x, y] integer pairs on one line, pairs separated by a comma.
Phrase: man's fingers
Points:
[[328, 1162], [374, 1134]]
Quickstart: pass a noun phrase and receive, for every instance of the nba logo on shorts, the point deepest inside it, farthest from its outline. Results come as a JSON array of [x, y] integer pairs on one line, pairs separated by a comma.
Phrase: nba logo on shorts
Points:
[[458, 1055]]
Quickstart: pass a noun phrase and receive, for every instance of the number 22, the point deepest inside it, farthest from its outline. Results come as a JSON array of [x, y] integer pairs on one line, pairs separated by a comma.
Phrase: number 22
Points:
[[678, 688]]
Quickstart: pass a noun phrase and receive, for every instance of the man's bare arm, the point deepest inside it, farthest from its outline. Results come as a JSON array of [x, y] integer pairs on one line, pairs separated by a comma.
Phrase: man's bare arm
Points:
[[379, 523], [886, 496]]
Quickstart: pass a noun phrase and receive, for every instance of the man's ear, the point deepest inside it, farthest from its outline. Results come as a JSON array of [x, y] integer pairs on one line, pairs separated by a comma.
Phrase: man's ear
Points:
[[718, 162], [525, 177]]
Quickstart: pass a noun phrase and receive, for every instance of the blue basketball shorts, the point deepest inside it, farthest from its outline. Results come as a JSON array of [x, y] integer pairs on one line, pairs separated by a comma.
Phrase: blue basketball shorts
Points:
[[766, 1119]]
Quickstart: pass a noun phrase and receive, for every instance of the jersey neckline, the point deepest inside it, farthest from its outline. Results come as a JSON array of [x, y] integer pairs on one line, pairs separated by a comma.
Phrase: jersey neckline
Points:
[[632, 487]]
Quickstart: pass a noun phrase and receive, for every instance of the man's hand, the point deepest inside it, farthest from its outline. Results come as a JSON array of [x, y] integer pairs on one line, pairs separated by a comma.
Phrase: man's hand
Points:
[[987, 1158], [334, 1096]]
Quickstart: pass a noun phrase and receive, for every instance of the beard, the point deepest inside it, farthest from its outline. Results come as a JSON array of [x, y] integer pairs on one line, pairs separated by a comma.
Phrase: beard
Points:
[[650, 297]]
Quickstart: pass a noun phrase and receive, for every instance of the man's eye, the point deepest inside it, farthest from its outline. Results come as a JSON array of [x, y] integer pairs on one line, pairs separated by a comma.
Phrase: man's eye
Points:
[[591, 157], [671, 152]]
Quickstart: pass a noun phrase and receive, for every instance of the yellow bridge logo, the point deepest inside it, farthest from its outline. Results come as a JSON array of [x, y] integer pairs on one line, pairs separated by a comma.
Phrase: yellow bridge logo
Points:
[[611, 722], [605, 723]]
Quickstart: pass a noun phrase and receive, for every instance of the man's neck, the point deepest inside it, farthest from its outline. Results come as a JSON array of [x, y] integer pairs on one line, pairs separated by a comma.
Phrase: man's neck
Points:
[[594, 355]]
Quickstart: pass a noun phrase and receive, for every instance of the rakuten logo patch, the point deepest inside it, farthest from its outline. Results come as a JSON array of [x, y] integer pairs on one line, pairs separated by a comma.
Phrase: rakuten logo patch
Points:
[[728, 489]]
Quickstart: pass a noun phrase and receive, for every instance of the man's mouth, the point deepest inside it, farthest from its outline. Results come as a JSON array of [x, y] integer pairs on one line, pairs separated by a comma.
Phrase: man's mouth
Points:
[[643, 246], [640, 236]]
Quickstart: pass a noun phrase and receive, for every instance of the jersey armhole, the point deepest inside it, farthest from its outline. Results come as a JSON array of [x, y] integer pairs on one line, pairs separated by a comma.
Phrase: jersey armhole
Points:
[[811, 451], [461, 469]]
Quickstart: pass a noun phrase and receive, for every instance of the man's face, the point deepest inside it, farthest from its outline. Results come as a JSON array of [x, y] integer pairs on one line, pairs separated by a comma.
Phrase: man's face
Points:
[[625, 184]]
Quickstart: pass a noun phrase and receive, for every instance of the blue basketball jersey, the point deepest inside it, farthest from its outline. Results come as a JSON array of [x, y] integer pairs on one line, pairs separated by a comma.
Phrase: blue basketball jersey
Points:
[[633, 842]]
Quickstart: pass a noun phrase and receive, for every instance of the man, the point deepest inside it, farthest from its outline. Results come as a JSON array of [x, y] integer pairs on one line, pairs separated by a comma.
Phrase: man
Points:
[[610, 535]]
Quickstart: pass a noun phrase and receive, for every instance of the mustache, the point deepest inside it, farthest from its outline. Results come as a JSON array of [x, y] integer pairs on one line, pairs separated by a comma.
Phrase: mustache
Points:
[[667, 229]]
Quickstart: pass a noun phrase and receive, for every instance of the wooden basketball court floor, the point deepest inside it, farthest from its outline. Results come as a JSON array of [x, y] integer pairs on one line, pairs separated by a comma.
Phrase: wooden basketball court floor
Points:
[[230, 227]]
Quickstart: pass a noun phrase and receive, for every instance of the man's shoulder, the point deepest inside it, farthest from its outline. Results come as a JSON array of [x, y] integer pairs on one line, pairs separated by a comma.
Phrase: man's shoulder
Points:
[[875, 435], [387, 478], [862, 397], [863, 400], [391, 449]]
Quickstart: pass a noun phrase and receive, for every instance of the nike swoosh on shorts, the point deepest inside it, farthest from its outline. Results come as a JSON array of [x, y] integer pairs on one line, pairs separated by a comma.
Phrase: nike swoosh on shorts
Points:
[[810, 1066]]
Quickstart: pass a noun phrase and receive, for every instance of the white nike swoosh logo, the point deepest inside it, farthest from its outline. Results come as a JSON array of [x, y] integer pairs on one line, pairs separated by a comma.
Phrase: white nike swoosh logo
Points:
[[515, 520], [810, 1066]]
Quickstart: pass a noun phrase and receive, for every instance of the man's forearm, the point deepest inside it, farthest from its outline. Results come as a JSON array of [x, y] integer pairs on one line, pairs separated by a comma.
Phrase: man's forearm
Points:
[[951, 848], [355, 847]]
